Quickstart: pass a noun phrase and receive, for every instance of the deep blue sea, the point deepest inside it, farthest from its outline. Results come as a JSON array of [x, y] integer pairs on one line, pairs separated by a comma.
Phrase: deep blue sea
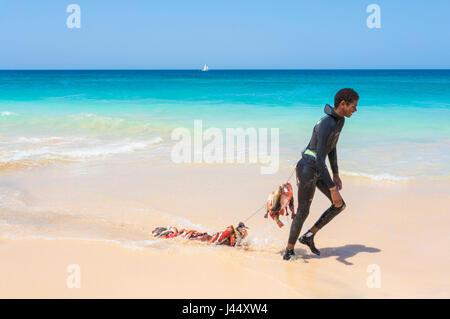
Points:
[[401, 129]]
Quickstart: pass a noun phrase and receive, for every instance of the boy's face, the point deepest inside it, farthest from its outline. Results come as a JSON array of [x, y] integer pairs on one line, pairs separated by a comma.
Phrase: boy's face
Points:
[[348, 108]]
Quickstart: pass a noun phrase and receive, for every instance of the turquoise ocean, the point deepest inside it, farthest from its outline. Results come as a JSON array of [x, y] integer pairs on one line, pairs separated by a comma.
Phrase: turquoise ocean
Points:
[[400, 132]]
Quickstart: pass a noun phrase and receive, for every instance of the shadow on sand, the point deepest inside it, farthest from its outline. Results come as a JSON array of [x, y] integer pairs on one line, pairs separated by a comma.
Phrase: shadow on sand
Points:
[[342, 253]]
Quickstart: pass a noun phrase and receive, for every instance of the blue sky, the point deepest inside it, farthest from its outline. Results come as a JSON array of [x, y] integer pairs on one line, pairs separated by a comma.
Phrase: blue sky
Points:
[[226, 34]]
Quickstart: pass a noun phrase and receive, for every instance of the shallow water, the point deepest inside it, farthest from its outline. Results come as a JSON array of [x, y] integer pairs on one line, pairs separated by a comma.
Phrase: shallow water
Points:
[[400, 131]]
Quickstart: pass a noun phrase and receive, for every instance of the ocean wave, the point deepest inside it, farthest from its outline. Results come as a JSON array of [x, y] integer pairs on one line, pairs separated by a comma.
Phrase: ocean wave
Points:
[[51, 140], [378, 177], [7, 113], [51, 151]]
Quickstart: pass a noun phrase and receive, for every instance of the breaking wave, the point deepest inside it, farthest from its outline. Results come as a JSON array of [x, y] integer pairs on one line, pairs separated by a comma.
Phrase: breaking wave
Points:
[[39, 151], [385, 177]]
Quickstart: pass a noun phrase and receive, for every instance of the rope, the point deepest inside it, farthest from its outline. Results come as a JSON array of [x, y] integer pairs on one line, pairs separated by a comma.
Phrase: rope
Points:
[[253, 214], [293, 171]]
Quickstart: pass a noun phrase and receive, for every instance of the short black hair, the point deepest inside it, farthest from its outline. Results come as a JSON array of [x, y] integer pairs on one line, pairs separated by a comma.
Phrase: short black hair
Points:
[[347, 95]]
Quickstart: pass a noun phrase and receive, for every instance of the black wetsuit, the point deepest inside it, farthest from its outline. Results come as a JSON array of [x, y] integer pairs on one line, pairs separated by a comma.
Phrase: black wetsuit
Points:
[[312, 171]]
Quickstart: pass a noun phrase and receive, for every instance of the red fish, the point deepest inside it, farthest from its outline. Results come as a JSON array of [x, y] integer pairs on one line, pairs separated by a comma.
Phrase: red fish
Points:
[[278, 203]]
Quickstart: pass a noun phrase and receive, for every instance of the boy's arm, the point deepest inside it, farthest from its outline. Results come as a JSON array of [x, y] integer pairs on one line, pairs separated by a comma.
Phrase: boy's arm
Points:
[[332, 157], [323, 133]]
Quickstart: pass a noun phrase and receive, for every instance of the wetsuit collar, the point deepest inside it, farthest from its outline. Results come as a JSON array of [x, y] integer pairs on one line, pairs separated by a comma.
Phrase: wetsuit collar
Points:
[[330, 111]]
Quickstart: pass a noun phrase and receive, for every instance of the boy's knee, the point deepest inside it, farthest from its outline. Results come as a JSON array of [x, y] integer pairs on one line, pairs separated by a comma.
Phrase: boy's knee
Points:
[[341, 208]]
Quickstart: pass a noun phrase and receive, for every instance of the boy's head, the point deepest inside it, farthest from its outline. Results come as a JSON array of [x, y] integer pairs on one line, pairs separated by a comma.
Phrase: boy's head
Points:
[[345, 102]]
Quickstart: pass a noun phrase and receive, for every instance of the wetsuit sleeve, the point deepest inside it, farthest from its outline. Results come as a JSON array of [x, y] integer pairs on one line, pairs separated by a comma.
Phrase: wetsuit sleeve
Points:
[[323, 133], [332, 156]]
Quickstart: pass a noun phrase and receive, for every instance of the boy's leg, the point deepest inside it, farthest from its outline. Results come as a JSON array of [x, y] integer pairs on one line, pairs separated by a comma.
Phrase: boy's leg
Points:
[[308, 238], [307, 185], [330, 213]]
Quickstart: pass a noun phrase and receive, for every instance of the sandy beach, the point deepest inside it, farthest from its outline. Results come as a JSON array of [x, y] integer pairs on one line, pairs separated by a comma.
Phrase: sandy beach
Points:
[[386, 224]]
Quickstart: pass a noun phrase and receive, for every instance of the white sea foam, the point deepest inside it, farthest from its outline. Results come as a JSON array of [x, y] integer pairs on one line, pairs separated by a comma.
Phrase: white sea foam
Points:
[[50, 139], [378, 177], [7, 113], [73, 152]]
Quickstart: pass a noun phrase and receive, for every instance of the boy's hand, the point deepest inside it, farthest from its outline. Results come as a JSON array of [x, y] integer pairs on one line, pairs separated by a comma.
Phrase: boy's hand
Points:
[[336, 197], [337, 181]]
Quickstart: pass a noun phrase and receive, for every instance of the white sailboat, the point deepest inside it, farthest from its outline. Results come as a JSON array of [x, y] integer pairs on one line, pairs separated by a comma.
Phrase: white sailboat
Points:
[[205, 68]]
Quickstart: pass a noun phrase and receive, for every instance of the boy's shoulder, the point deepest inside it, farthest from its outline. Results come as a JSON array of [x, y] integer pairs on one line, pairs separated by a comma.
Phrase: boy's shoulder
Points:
[[327, 120]]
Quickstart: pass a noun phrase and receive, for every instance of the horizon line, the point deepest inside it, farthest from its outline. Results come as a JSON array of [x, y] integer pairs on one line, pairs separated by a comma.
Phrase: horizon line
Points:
[[255, 69]]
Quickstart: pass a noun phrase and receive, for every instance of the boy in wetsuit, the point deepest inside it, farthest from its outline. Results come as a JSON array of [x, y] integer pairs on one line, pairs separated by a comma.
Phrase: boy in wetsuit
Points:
[[312, 171]]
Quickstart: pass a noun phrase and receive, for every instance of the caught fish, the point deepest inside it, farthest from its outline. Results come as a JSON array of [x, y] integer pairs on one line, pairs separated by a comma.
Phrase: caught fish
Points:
[[279, 202], [231, 236]]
